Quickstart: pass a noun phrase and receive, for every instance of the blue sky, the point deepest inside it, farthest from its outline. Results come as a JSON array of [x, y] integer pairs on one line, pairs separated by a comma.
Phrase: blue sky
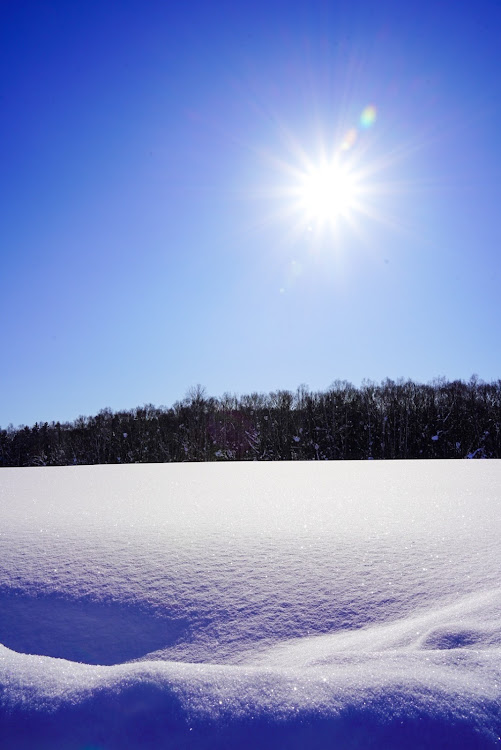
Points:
[[151, 234]]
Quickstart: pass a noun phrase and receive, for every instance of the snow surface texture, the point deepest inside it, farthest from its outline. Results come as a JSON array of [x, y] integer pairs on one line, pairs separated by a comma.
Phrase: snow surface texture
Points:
[[253, 605]]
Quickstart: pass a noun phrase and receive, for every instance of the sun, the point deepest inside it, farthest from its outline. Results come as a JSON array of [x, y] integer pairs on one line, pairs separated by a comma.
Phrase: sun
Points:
[[327, 192], [331, 187]]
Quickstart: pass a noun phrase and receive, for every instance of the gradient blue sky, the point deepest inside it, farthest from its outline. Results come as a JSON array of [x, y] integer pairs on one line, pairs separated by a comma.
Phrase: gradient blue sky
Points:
[[149, 240]]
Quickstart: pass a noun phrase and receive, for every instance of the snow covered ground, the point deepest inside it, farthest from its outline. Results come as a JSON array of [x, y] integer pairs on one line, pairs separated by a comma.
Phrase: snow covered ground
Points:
[[252, 605]]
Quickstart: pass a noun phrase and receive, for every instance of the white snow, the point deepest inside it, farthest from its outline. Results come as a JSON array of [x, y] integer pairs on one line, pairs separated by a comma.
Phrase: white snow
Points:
[[242, 605]]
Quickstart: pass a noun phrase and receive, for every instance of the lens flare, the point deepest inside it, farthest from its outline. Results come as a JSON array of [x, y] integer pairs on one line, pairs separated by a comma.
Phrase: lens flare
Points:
[[349, 139], [368, 117]]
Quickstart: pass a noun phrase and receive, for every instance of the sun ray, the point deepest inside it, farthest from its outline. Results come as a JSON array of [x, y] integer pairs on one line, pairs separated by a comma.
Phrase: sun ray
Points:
[[321, 188]]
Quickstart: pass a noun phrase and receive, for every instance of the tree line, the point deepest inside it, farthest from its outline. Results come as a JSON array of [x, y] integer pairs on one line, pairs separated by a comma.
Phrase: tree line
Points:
[[389, 420]]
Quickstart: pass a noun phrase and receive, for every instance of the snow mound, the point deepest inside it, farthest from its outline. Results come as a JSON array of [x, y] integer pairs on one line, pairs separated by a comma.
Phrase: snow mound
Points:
[[251, 606]]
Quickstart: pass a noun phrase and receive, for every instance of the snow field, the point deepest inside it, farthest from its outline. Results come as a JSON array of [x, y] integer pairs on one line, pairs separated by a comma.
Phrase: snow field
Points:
[[251, 605]]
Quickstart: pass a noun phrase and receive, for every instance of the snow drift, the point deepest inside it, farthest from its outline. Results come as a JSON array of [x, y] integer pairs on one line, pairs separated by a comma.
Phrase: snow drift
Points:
[[291, 605]]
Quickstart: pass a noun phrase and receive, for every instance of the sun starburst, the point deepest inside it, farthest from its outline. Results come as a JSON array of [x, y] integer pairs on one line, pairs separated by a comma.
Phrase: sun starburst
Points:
[[328, 192]]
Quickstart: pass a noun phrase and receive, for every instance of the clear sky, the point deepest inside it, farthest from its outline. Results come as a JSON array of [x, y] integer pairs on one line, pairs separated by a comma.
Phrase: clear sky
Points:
[[246, 195]]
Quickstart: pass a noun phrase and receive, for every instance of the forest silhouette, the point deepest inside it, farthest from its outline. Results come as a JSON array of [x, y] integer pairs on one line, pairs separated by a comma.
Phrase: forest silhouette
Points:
[[391, 420]]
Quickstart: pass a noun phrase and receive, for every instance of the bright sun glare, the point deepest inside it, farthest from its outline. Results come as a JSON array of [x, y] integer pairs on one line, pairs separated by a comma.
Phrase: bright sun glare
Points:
[[328, 192], [333, 188]]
